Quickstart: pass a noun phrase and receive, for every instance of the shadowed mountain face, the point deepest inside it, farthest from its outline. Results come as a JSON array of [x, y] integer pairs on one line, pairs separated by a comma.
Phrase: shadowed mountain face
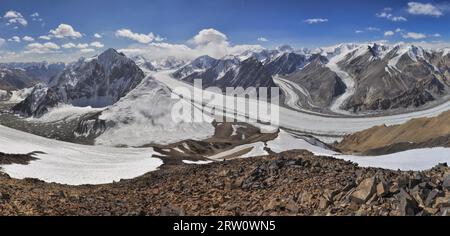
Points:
[[398, 78], [95, 82], [383, 77], [230, 72], [14, 79], [285, 64], [322, 84], [38, 71]]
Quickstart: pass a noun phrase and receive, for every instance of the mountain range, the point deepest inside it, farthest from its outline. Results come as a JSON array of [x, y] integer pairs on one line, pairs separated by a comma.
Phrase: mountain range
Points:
[[349, 78]]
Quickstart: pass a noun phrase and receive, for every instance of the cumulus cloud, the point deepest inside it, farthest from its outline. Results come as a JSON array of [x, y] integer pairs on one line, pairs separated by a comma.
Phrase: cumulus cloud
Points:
[[207, 42], [68, 45], [86, 50], [428, 9], [15, 18], [315, 20], [141, 38], [72, 45], [28, 39], [414, 35], [41, 48], [97, 36], [359, 31], [65, 31], [97, 44], [389, 33], [262, 39], [44, 37], [15, 39], [386, 14]]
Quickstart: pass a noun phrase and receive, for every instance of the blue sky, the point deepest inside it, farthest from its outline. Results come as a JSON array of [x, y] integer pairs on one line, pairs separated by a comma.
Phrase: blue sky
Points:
[[256, 22]]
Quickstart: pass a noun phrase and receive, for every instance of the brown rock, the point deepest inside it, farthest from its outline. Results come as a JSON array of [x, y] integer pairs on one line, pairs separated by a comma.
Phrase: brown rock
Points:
[[382, 189], [364, 191], [170, 210], [408, 205], [291, 206], [324, 203], [442, 202]]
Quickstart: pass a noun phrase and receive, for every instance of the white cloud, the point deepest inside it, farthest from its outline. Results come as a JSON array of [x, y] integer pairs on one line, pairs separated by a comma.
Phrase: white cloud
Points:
[[97, 36], [85, 50], [68, 45], [63, 31], [359, 31], [398, 18], [141, 38], [207, 42], [315, 20], [28, 39], [15, 39], [372, 29], [262, 39], [389, 33], [209, 36], [82, 45], [72, 45], [398, 30], [35, 17], [15, 18], [44, 37], [386, 14], [417, 8], [97, 44], [42, 48], [413, 35]]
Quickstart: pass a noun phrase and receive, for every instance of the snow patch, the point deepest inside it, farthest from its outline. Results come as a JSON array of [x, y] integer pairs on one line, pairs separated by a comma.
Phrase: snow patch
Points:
[[74, 164]]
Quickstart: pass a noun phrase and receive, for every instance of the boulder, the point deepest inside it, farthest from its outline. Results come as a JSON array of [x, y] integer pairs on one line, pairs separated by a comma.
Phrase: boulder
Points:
[[431, 197], [408, 205], [382, 189], [364, 191], [446, 182]]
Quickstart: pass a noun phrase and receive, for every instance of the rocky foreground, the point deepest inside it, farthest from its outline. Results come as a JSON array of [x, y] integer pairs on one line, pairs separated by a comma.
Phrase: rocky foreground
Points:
[[291, 183]]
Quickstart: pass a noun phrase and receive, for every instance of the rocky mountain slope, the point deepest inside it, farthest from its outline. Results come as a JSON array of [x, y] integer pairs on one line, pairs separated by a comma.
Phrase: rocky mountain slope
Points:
[[389, 78], [227, 72], [383, 77], [95, 82], [417, 133], [322, 84], [15, 79], [39, 71], [291, 183]]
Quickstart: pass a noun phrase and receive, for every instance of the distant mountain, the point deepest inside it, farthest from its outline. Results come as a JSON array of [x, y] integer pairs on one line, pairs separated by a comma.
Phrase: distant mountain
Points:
[[97, 82], [200, 64], [321, 84], [40, 71], [143, 63], [169, 63], [15, 79], [230, 72], [286, 63], [394, 77]]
